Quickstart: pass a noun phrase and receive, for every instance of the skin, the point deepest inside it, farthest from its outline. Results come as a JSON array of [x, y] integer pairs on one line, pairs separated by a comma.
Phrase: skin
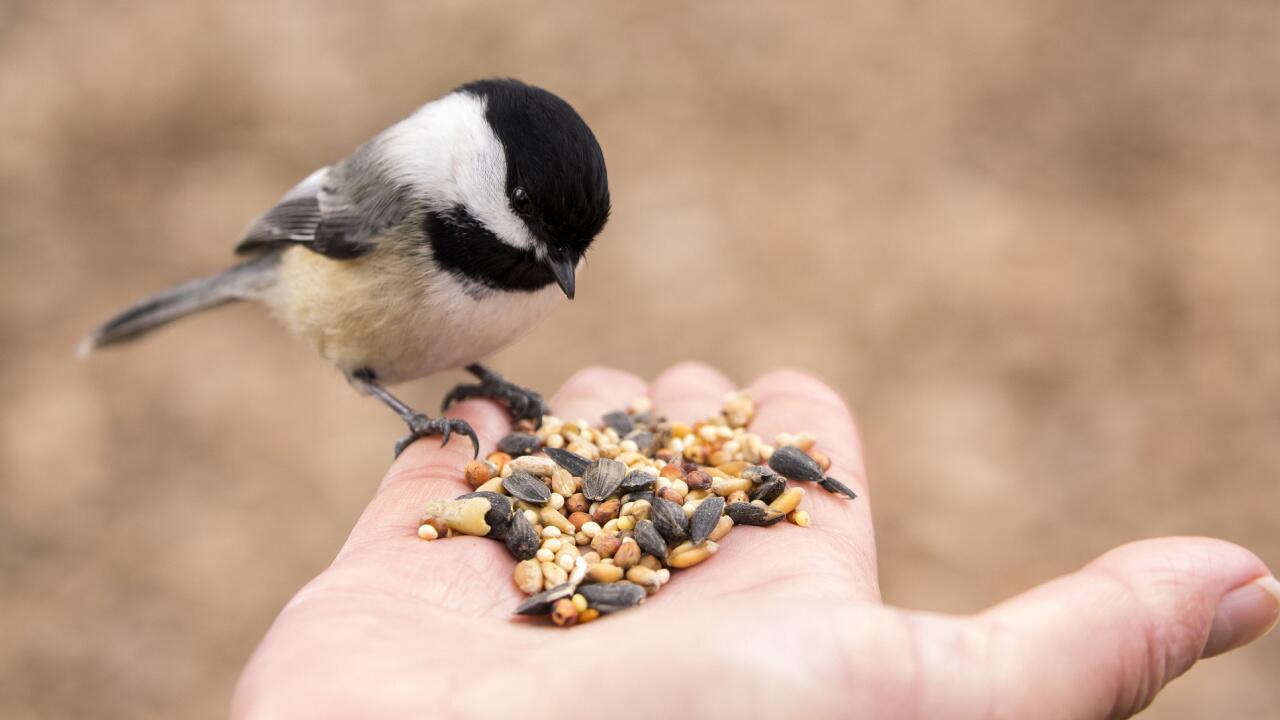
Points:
[[783, 620]]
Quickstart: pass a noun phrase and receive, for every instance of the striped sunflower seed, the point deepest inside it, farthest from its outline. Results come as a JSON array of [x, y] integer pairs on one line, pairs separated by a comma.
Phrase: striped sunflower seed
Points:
[[636, 480], [573, 462], [499, 512], [833, 485], [704, 519], [541, 603], [649, 539], [620, 422], [611, 597], [602, 478], [792, 463], [748, 514], [669, 519], [769, 489], [517, 444], [522, 540], [526, 487]]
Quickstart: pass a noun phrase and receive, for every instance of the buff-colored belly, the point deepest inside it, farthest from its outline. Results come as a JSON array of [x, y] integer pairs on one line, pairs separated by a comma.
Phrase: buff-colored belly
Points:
[[377, 312]]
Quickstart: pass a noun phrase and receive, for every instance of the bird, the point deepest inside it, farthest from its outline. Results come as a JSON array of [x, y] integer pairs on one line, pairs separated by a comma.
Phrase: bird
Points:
[[429, 247]]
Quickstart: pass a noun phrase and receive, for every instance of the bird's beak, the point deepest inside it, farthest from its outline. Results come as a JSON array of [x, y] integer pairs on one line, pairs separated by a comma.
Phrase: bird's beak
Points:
[[563, 268]]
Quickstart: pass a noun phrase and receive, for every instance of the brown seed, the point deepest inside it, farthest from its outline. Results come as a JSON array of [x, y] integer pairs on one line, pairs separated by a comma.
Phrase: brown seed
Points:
[[737, 496], [550, 516], [669, 519], [602, 478], [492, 485], [698, 480], [671, 470], [577, 519], [628, 554], [750, 514], [522, 540], [670, 494], [726, 486], [606, 542], [564, 613], [687, 554], [719, 457], [535, 465], [528, 576], [650, 540], [833, 485], [723, 526], [799, 517], [476, 473], [606, 510], [732, 469], [665, 455], [792, 463], [789, 500], [769, 489], [541, 603], [577, 502], [613, 596], [562, 482], [704, 519], [586, 616], [523, 486], [553, 574], [525, 425], [651, 562], [645, 577], [575, 464], [517, 444], [602, 573], [498, 458]]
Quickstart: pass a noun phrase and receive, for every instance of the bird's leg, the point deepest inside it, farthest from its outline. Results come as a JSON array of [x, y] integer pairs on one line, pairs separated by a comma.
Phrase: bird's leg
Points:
[[419, 425], [522, 403]]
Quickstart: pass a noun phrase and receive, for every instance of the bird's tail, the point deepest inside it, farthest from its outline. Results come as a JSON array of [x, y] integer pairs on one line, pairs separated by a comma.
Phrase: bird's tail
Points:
[[245, 281]]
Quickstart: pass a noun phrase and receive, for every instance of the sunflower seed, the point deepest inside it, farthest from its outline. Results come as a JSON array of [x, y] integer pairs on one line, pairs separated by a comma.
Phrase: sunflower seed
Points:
[[758, 473], [637, 496], [649, 539], [526, 487], [517, 444], [705, 518], [619, 421], [769, 489], [833, 485], [636, 480], [669, 519], [573, 462], [541, 603], [522, 540], [499, 512], [748, 514], [611, 597], [602, 478], [793, 464], [643, 440]]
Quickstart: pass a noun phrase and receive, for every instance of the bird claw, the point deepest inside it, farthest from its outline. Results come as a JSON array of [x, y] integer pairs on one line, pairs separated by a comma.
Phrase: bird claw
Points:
[[423, 426], [522, 403]]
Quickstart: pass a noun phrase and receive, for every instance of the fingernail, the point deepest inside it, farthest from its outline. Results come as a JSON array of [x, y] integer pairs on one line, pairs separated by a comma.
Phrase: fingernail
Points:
[[1244, 615]]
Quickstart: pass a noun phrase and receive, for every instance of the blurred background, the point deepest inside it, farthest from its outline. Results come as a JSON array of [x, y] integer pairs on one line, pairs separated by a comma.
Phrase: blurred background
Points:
[[1035, 244]]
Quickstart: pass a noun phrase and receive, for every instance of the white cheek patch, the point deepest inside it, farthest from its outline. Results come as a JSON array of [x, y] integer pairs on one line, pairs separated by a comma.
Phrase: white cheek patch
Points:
[[448, 153]]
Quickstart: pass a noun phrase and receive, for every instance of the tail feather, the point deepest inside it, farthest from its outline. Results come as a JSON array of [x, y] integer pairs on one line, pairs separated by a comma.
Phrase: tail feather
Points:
[[244, 281]]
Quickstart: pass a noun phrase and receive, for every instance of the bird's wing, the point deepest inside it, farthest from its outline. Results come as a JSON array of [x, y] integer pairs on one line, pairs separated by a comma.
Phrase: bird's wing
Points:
[[326, 215]]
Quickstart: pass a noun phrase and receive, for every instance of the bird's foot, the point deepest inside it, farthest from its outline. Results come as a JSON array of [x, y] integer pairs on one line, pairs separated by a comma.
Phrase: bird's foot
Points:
[[422, 426], [522, 403]]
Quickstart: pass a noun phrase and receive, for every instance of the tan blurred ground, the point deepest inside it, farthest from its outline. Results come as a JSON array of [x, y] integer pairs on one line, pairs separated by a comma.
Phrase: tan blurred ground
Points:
[[1035, 244]]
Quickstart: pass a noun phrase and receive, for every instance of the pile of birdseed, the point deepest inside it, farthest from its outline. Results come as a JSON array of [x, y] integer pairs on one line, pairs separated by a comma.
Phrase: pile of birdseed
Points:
[[598, 517]]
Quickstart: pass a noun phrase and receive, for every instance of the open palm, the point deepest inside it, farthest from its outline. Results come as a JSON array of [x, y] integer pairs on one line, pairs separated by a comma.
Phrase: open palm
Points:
[[782, 620]]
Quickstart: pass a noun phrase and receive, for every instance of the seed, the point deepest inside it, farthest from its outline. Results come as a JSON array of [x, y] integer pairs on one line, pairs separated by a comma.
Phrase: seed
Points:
[[651, 561], [824, 462], [643, 440], [555, 441], [477, 473], [688, 554], [757, 473], [588, 615], [789, 500], [578, 519], [493, 485], [579, 571], [606, 510], [534, 465], [574, 463], [553, 544], [636, 480], [649, 539], [645, 577], [531, 516], [704, 519], [669, 519], [522, 540], [467, 516], [545, 555], [613, 596], [725, 486], [749, 514], [553, 574], [577, 502], [739, 408], [606, 543], [528, 576], [499, 459], [563, 612], [541, 603], [602, 573], [698, 480], [723, 526], [427, 532], [833, 485], [526, 487], [770, 489], [580, 602], [671, 471], [553, 517], [626, 523], [732, 469], [799, 517], [719, 457], [563, 483], [590, 528], [551, 531], [499, 511], [639, 509], [737, 496], [670, 494], [619, 421], [602, 478], [628, 554], [565, 559], [793, 464], [517, 444]]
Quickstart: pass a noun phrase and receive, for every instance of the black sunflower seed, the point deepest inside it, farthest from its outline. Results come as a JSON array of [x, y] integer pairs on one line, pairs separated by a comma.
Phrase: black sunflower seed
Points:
[[602, 479], [646, 495], [517, 444], [619, 421], [833, 485], [636, 480], [650, 540], [573, 462], [770, 489], [670, 519], [748, 514], [704, 519], [526, 487], [758, 473], [793, 464], [522, 540], [611, 597], [497, 516], [541, 603]]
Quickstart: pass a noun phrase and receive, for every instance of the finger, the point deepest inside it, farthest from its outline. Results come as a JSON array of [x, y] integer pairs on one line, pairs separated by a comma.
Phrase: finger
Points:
[[594, 391], [1103, 641], [791, 401], [689, 392]]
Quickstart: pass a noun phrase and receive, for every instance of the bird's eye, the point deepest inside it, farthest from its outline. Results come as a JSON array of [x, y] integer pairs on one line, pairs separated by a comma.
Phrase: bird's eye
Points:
[[521, 202]]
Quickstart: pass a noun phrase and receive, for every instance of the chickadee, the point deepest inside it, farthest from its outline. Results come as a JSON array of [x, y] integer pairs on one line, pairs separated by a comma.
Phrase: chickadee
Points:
[[431, 246]]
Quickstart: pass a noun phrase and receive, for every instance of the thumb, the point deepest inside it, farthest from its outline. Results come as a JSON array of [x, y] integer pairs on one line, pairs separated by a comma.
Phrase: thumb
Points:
[[1103, 641]]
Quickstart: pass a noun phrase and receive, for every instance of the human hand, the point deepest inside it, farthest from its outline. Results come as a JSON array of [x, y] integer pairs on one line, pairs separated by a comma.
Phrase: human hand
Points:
[[784, 621]]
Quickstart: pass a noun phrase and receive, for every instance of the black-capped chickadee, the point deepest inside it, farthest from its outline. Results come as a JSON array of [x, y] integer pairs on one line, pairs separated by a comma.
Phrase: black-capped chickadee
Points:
[[431, 246]]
